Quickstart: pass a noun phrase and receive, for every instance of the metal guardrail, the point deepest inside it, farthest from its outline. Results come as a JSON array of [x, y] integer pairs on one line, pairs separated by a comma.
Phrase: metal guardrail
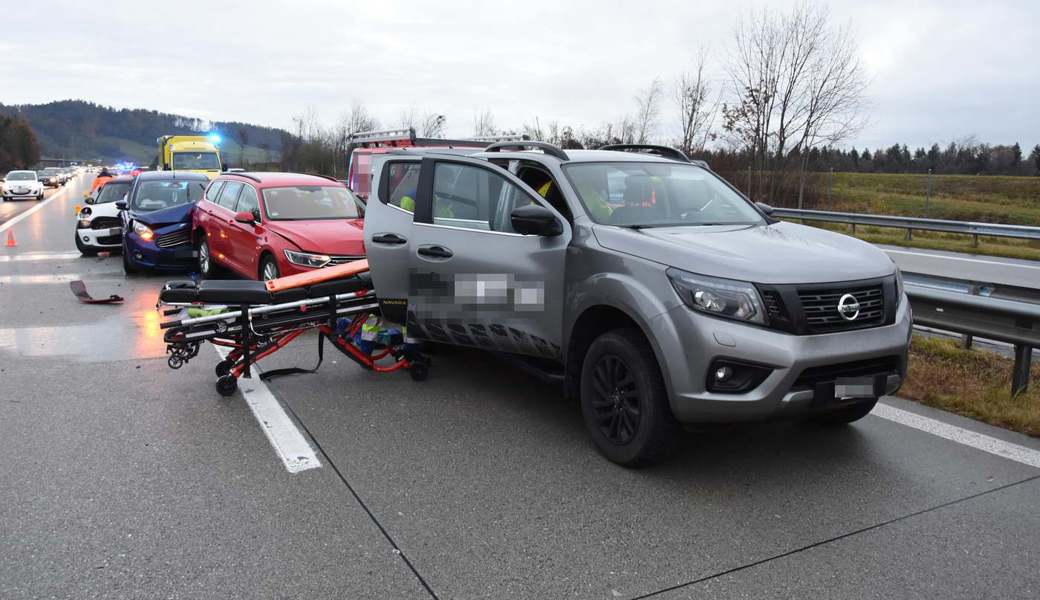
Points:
[[1016, 323], [974, 229]]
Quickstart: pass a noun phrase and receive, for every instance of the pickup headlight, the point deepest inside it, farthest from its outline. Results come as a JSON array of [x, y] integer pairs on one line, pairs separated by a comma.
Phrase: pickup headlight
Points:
[[720, 297], [143, 231], [306, 259]]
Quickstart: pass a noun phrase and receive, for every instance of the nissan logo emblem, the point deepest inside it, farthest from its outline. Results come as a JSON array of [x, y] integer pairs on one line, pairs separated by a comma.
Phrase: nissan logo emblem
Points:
[[848, 307]]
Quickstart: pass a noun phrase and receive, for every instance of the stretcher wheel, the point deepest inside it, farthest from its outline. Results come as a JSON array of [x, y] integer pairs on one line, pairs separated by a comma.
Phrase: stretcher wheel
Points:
[[224, 367], [226, 385], [419, 371]]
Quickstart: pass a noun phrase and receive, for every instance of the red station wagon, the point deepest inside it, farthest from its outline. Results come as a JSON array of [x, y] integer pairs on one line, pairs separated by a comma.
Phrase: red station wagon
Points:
[[268, 225]]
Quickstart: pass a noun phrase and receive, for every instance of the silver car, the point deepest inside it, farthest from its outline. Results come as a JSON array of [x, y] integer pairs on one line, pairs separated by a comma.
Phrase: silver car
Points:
[[659, 293]]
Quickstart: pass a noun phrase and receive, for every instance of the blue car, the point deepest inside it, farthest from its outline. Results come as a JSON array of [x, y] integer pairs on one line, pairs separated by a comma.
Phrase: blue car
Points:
[[156, 218]]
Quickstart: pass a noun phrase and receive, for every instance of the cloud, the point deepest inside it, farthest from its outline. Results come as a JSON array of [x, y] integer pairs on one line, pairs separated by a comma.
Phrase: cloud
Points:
[[939, 69]]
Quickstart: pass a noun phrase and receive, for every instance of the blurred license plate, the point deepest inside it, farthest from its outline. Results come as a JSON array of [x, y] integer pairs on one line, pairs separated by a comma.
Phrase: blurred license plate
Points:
[[854, 387], [115, 231]]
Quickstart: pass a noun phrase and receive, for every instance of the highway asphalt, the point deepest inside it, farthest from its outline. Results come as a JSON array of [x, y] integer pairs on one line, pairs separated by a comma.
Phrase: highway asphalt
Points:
[[121, 478]]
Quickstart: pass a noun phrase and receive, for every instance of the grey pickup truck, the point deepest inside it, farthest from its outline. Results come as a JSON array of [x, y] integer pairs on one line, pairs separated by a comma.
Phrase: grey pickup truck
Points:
[[662, 295]]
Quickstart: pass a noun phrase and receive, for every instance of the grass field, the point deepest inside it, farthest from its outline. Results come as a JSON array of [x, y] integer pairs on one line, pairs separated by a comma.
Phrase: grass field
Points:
[[992, 199], [973, 383]]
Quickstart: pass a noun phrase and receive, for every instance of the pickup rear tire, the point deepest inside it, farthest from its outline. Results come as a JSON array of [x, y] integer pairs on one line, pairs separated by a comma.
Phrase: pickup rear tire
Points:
[[624, 401], [846, 414]]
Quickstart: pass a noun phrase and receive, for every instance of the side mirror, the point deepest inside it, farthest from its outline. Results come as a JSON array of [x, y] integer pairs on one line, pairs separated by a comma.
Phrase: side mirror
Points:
[[256, 215], [89, 200], [535, 219], [762, 206], [244, 216], [121, 204]]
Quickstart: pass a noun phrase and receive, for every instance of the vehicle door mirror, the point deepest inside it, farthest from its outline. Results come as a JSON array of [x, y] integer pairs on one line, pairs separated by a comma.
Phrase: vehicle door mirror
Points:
[[244, 216], [256, 215], [121, 204], [88, 199], [762, 206], [535, 219]]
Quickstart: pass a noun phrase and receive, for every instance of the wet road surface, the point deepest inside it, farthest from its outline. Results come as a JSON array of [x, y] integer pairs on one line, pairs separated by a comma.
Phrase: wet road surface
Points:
[[124, 479]]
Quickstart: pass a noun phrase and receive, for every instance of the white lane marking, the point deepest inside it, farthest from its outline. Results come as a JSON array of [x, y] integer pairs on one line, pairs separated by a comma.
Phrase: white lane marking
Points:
[[1016, 265], [14, 220], [288, 442], [973, 439], [37, 256]]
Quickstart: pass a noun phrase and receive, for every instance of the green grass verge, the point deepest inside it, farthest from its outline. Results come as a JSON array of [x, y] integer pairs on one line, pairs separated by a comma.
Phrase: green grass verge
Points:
[[934, 240], [992, 199], [972, 383]]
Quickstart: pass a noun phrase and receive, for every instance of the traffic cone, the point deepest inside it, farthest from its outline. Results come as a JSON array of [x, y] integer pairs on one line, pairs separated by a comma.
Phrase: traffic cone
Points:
[[10, 239]]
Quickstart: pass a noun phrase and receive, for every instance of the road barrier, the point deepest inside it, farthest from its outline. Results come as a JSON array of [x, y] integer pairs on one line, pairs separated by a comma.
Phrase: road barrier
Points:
[[1016, 323], [1022, 232]]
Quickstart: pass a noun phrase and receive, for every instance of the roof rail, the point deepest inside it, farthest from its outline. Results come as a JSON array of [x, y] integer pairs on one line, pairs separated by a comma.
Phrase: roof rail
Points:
[[662, 151], [545, 147], [241, 174], [405, 133]]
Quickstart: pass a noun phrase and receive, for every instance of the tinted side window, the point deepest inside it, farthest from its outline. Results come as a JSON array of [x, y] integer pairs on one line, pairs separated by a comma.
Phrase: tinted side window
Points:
[[229, 195], [213, 192], [468, 196], [247, 200], [402, 182]]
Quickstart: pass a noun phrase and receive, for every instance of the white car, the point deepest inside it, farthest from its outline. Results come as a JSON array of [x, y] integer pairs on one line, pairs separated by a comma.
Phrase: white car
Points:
[[22, 185], [97, 225]]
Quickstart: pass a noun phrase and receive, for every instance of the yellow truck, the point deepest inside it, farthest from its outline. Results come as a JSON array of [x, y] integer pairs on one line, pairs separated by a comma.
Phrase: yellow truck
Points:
[[195, 153]]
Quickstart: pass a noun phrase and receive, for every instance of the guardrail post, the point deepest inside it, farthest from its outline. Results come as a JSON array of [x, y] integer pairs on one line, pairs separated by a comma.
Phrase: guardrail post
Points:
[[909, 234], [1023, 362], [975, 240]]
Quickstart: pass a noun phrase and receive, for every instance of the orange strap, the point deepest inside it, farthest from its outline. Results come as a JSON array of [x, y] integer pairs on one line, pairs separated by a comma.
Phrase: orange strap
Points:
[[317, 276]]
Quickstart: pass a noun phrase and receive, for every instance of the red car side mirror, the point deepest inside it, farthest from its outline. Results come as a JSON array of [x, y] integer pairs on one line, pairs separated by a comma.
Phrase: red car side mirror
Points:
[[244, 216]]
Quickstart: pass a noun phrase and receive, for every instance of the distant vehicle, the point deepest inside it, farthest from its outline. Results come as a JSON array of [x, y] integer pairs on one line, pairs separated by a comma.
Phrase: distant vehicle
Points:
[[98, 226], [268, 225], [52, 177], [22, 185], [156, 219], [188, 153], [362, 146]]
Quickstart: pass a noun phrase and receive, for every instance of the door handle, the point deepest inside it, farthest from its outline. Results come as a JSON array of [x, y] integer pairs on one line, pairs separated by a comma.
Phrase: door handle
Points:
[[435, 252], [388, 238]]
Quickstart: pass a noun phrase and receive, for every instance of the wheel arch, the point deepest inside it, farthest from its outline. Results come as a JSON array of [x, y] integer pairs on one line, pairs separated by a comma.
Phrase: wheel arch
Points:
[[592, 322]]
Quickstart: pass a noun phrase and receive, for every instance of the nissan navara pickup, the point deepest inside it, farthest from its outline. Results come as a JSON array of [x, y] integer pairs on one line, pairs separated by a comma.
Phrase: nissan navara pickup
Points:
[[662, 295]]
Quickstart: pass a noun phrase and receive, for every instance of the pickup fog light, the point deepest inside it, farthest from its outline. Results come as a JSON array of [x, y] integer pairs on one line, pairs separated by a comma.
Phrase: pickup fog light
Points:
[[721, 297], [306, 259], [734, 377], [143, 231]]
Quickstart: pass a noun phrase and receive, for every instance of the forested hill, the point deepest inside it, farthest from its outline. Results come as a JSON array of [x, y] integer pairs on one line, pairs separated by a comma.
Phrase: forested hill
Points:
[[78, 129]]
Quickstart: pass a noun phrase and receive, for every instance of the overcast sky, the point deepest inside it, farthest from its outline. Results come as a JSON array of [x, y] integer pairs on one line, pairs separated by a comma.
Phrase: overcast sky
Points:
[[939, 70]]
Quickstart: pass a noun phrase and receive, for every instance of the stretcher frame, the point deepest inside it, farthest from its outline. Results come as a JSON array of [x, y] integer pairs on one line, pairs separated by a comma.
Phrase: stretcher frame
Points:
[[253, 332]]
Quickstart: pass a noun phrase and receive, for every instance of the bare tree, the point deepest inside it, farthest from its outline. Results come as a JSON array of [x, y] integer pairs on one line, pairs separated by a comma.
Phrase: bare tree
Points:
[[647, 109], [484, 124], [426, 123], [785, 74], [696, 109], [432, 125]]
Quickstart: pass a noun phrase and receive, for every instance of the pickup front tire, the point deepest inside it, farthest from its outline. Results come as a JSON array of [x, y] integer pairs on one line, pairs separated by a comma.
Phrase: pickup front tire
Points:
[[624, 401]]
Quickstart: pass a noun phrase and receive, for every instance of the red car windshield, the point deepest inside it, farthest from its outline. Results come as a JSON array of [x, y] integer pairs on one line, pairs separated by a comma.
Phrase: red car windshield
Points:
[[309, 202]]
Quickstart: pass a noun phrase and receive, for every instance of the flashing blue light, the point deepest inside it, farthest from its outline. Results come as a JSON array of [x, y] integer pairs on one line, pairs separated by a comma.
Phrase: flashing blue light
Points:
[[214, 138]]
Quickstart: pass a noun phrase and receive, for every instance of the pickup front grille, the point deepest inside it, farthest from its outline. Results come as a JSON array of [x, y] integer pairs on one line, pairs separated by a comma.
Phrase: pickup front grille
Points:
[[820, 308], [175, 238]]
